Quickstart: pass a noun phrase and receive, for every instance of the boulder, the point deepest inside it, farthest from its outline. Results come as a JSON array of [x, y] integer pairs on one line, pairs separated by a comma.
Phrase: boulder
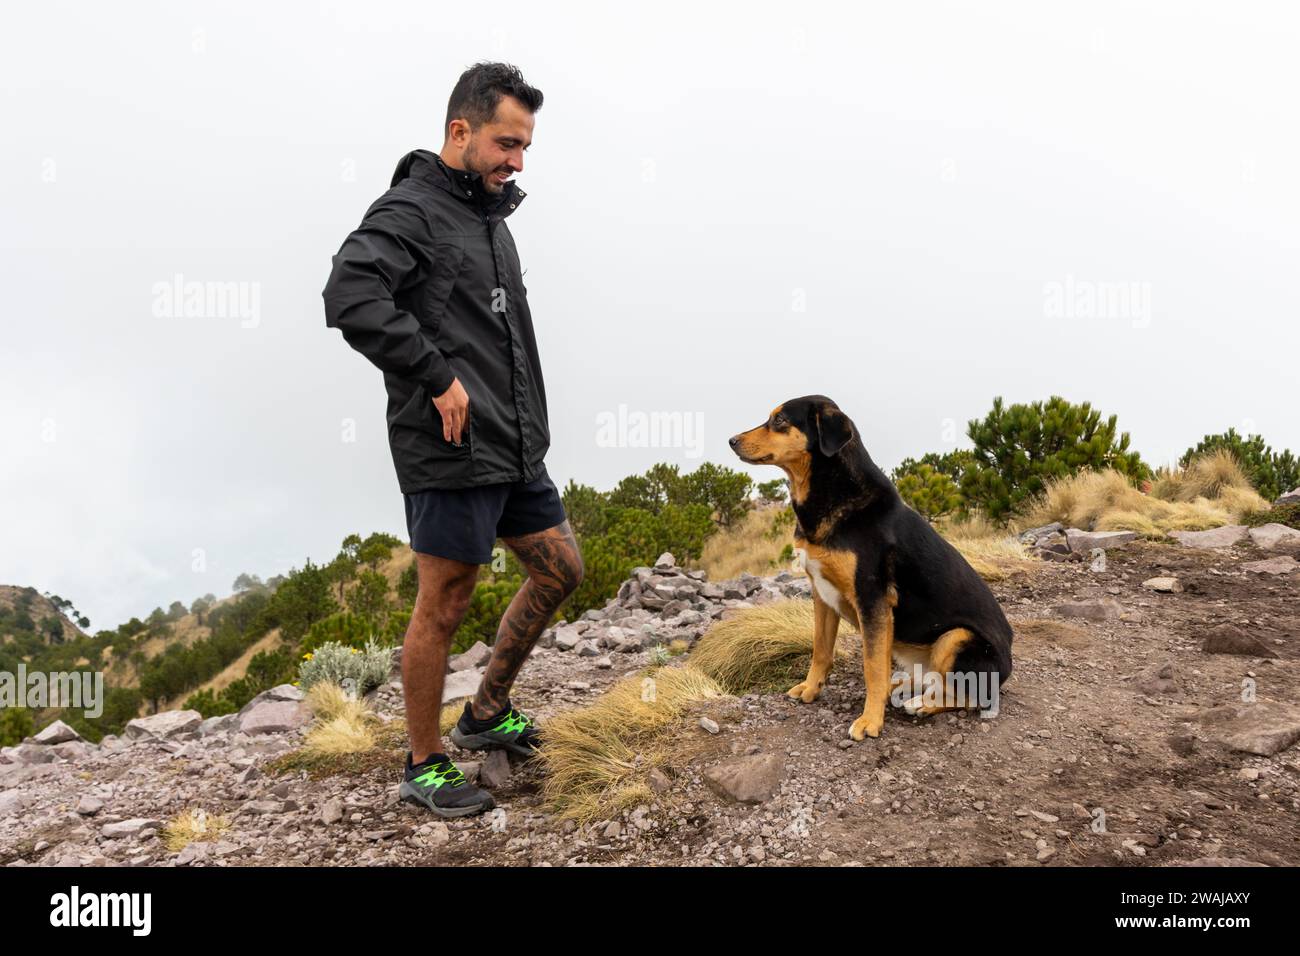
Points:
[[1282, 564], [274, 717], [1269, 536], [1163, 585], [1159, 680], [1292, 497], [750, 779], [1224, 537], [1230, 639], [476, 656], [163, 726], [1083, 542], [56, 733], [1263, 728], [129, 828], [280, 692], [460, 684], [1096, 609]]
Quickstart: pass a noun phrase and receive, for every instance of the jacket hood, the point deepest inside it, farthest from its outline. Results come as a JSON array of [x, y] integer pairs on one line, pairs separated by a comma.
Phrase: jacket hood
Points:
[[420, 163], [427, 166]]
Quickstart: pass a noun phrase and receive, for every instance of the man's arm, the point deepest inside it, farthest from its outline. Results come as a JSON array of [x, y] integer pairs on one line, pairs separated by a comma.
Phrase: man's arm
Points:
[[373, 263]]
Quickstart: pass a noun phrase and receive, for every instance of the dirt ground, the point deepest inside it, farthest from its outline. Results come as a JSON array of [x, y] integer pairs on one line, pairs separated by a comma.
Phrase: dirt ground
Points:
[[1086, 763], [1098, 756]]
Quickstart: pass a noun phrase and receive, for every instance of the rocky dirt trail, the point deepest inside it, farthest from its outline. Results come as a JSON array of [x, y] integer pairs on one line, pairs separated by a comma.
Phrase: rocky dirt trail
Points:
[[1148, 722]]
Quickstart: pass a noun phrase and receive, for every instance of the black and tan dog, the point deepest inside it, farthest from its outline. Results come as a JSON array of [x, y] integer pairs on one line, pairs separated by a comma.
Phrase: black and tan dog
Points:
[[879, 565]]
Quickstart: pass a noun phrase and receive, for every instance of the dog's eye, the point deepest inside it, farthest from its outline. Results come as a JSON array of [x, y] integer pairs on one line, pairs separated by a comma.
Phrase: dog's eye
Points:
[[779, 422]]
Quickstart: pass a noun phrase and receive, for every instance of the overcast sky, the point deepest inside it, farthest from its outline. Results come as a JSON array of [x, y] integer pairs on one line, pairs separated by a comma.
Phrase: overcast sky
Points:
[[911, 208]]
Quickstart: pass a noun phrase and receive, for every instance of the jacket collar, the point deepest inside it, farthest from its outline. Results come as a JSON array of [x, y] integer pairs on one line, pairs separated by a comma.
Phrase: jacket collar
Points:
[[466, 186]]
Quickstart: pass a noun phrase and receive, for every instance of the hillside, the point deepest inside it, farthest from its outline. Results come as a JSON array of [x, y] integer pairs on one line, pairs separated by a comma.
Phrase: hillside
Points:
[[1150, 721], [26, 614]]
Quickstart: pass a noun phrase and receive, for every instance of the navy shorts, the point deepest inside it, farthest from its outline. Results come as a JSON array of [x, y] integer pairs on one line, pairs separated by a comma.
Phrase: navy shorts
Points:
[[463, 523]]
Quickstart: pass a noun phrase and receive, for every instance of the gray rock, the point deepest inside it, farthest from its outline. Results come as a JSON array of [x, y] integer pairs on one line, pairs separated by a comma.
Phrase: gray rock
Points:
[[1230, 639], [56, 733], [476, 656], [1159, 680], [1095, 609], [461, 684], [1033, 535], [11, 801], [709, 724], [164, 726], [587, 649], [1164, 585], [751, 779], [495, 769], [280, 692], [1292, 497], [225, 724], [566, 638], [1224, 537], [665, 560], [1264, 728], [331, 811], [274, 717], [193, 852], [1082, 542], [1269, 536], [89, 805], [1282, 564], [135, 827]]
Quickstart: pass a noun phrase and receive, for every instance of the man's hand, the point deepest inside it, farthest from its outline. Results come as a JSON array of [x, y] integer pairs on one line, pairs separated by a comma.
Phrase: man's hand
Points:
[[453, 406]]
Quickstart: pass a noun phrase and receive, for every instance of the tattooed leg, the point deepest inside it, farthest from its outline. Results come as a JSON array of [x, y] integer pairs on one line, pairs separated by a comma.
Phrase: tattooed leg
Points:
[[554, 566]]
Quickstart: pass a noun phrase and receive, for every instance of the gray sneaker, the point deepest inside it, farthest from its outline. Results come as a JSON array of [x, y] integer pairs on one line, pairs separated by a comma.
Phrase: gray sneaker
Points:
[[438, 785]]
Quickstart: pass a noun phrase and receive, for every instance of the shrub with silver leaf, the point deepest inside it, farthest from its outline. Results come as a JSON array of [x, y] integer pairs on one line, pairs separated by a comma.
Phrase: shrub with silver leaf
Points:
[[356, 670]]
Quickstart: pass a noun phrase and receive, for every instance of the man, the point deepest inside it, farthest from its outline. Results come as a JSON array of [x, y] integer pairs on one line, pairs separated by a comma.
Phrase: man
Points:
[[429, 289]]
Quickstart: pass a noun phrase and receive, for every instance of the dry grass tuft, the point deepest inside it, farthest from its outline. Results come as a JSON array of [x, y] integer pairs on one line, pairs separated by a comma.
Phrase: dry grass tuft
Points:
[[1210, 492], [596, 757], [994, 552], [344, 725], [193, 826], [766, 648]]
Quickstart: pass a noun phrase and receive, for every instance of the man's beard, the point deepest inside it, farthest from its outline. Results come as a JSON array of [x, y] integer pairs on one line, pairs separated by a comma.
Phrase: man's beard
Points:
[[472, 163]]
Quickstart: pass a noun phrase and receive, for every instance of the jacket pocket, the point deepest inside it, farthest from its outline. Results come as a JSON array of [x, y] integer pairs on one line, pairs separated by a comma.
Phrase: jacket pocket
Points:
[[449, 449]]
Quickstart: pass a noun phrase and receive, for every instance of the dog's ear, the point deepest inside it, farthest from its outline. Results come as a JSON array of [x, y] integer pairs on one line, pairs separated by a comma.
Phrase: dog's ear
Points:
[[833, 430]]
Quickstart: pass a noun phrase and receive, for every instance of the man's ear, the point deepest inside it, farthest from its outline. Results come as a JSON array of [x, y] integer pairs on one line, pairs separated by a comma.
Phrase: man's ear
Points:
[[833, 431]]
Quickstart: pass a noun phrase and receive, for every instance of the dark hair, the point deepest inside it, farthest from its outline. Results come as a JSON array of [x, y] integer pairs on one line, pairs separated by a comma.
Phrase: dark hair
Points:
[[480, 88]]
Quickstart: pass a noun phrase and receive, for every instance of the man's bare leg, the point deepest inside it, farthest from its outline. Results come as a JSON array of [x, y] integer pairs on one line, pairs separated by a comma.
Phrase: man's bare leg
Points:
[[445, 590], [554, 566]]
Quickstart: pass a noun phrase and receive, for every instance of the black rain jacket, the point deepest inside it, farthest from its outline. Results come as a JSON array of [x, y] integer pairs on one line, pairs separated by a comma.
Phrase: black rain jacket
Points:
[[428, 288]]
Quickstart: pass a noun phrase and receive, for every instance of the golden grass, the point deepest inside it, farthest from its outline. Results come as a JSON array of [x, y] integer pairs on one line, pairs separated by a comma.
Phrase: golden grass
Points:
[[1210, 492], [449, 716], [344, 725], [597, 757], [387, 752], [745, 547], [1209, 476], [994, 552], [764, 649], [192, 826]]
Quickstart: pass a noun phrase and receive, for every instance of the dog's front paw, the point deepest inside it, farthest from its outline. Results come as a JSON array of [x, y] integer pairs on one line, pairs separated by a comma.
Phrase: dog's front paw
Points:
[[865, 726], [805, 691]]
